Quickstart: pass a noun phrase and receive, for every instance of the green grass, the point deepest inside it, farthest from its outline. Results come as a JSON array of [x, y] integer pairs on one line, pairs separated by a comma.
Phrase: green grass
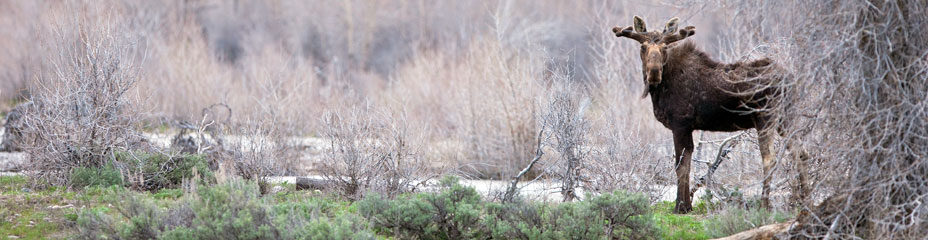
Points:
[[676, 226], [44, 213], [12, 183], [168, 193], [708, 220], [29, 224], [29, 214]]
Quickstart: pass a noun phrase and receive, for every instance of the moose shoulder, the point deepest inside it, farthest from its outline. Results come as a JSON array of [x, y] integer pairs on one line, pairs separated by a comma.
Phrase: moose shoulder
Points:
[[690, 91]]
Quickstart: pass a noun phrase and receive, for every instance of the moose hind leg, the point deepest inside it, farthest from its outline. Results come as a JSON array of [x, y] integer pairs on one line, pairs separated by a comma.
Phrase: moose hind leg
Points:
[[683, 153], [765, 143], [801, 160]]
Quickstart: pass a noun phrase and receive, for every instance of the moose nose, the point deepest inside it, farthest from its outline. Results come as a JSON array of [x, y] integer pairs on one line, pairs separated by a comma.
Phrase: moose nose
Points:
[[654, 76]]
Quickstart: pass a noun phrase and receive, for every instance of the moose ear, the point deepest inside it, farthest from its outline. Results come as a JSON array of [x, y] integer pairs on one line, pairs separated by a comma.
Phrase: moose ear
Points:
[[639, 24], [671, 26]]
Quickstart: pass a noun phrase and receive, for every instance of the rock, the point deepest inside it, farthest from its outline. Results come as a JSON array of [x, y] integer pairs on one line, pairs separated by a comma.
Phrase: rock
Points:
[[13, 127], [12, 161], [25, 190], [304, 183], [59, 207]]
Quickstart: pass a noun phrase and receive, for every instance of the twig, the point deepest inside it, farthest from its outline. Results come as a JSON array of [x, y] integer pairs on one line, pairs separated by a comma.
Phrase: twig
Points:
[[511, 191], [724, 149]]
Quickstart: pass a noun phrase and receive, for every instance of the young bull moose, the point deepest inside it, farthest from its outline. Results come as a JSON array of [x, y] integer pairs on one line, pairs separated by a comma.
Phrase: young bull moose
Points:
[[690, 91]]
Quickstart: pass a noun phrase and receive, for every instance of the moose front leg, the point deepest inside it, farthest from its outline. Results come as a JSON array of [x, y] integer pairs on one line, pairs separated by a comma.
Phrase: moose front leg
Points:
[[683, 153]]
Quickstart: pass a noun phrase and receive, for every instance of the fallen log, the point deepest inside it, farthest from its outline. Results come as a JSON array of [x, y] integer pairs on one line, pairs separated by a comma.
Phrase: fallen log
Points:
[[762, 233], [304, 183]]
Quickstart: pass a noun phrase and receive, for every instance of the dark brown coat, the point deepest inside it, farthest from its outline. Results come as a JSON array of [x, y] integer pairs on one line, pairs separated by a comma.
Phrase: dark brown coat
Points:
[[690, 91], [697, 93]]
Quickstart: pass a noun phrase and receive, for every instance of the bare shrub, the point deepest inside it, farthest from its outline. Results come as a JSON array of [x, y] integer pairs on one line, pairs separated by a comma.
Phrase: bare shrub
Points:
[[260, 150], [81, 112], [857, 105], [371, 151], [256, 149], [570, 133], [350, 159]]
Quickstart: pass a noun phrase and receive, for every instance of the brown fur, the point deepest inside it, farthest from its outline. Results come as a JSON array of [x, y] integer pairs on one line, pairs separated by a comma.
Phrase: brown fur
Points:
[[690, 91], [697, 93]]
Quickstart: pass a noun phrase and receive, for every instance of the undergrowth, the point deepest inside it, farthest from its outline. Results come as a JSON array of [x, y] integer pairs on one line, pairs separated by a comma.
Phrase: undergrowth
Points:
[[236, 209]]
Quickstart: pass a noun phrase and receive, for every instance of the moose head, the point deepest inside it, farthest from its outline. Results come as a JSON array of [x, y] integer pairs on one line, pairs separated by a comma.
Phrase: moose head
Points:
[[654, 46]]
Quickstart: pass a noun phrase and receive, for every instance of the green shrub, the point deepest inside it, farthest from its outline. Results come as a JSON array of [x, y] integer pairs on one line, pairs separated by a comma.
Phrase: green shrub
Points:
[[457, 209], [144, 218], [457, 212], [179, 233], [453, 213], [405, 217], [237, 210], [733, 220], [341, 226], [320, 218], [106, 176], [95, 223], [616, 215], [626, 215], [233, 210], [160, 170]]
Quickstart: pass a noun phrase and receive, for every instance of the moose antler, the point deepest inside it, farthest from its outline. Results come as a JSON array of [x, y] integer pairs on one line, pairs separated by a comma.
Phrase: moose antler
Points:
[[670, 36], [634, 32], [629, 33], [638, 32]]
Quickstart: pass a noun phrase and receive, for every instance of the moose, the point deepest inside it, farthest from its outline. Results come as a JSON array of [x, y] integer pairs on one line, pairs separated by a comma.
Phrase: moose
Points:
[[690, 91]]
